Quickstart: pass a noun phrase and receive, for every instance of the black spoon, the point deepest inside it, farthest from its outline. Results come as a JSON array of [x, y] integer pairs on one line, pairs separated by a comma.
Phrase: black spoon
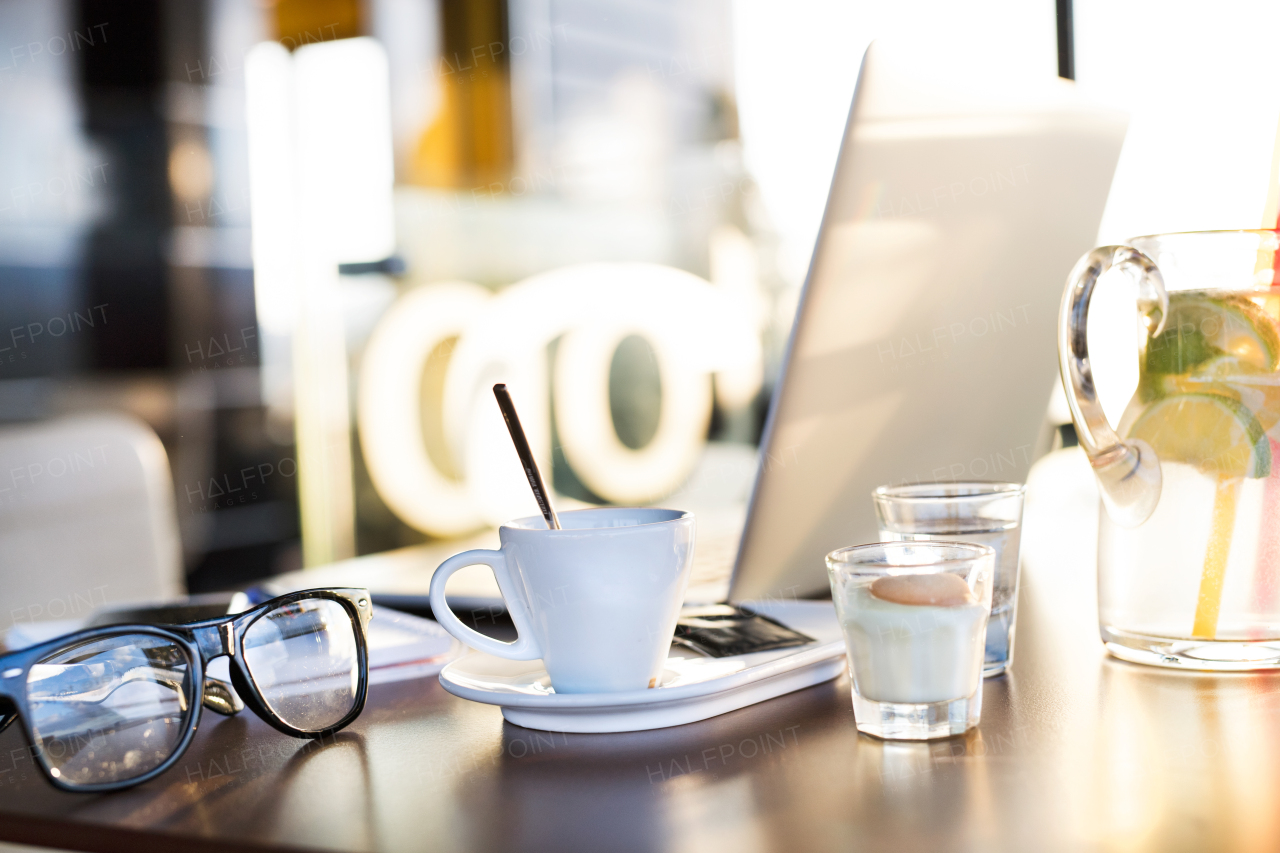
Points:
[[526, 455]]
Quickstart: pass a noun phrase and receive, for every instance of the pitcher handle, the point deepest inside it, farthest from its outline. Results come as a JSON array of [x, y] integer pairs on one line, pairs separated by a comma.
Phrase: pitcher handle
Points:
[[1128, 471]]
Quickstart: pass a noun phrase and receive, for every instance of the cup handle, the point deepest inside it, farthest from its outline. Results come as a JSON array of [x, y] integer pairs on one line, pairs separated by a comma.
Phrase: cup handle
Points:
[[1128, 471], [525, 647]]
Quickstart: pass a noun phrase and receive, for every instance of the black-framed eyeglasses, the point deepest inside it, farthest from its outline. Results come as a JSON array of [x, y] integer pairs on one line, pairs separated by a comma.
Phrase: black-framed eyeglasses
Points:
[[111, 707]]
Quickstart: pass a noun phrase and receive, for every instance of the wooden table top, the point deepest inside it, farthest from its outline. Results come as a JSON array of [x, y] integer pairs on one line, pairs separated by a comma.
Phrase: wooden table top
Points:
[[1076, 751]]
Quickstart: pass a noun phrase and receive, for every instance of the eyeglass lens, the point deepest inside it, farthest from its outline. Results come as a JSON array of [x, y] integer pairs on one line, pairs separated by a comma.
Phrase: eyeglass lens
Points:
[[304, 661], [112, 709]]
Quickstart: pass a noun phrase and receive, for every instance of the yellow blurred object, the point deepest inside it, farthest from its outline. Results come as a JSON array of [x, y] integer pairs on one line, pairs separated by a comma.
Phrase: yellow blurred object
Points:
[[469, 143], [299, 22], [1271, 210], [1264, 271]]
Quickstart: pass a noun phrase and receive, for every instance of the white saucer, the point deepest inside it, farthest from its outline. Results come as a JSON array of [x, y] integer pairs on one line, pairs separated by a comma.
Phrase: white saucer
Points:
[[693, 687]]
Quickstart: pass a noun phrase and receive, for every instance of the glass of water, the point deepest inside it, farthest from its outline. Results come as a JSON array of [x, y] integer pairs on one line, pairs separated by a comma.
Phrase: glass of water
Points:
[[914, 616], [979, 512]]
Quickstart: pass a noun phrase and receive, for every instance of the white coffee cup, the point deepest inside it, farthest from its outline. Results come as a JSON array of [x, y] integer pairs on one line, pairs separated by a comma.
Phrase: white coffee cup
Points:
[[597, 600]]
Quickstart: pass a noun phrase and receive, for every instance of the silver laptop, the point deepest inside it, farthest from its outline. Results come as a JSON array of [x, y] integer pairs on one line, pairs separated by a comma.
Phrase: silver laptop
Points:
[[924, 347]]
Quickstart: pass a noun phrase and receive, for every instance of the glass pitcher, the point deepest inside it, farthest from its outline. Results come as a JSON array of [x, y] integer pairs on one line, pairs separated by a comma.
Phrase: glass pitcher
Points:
[[1189, 533]]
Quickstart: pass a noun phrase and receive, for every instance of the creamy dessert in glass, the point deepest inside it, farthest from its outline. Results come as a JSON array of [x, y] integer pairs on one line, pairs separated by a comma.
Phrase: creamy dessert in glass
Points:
[[915, 619]]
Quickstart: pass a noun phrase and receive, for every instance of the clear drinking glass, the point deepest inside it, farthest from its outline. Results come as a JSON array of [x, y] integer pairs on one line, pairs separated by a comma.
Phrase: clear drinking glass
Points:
[[979, 512], [914, 616]]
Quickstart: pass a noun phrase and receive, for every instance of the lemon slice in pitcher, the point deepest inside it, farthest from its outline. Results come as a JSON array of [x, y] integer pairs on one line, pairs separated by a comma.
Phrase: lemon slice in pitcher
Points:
[[1200, 327], [1217, 435], [1228, 376]]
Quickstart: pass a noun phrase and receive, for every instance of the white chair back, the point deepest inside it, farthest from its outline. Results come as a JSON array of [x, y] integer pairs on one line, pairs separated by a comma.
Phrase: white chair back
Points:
[[87, 518]]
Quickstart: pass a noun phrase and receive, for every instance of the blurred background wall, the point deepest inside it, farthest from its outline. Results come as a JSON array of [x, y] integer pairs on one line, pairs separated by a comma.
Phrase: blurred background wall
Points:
[[198, 230]]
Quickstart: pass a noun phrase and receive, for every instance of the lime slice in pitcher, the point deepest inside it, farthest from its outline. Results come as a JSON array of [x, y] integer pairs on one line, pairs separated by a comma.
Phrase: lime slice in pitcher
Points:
[[1200, 327], [1217, 435]]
